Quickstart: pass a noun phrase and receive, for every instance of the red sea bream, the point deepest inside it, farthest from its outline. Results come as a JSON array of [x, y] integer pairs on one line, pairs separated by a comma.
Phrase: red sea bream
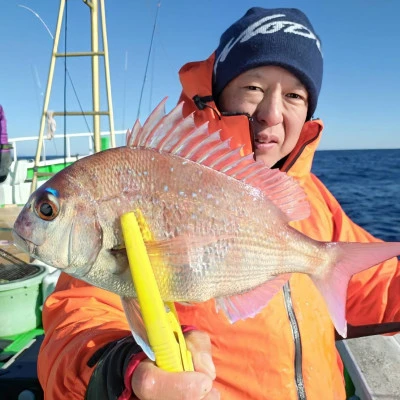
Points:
[[219, 222]]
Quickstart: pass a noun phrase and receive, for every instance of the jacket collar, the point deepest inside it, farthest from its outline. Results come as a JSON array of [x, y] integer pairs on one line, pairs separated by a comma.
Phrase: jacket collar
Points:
[[196, 80]]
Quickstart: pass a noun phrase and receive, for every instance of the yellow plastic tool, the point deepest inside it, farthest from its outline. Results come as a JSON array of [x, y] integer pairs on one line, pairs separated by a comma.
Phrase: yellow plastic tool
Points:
[[161, 320]]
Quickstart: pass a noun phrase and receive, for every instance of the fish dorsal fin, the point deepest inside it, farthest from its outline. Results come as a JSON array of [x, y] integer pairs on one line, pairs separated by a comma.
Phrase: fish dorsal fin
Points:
[[172, 133], [133, 133]]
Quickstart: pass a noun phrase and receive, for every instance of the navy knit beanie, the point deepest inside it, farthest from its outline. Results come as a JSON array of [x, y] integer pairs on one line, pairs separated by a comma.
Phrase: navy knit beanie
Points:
[[280, 36]]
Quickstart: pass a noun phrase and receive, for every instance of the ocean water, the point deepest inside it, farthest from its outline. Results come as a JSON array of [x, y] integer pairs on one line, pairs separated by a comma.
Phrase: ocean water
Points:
[[367, 185]]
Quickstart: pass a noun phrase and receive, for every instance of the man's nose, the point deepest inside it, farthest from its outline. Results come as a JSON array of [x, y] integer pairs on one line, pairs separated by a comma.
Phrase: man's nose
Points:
[[269, 111]]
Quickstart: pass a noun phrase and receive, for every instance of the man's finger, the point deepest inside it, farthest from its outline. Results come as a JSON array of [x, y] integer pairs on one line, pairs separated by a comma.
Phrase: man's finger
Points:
[[150, 383], [199, 345]]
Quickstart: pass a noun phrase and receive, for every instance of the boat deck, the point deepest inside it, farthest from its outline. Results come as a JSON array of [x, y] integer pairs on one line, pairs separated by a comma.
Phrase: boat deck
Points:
[[373, 364], [8, 215]]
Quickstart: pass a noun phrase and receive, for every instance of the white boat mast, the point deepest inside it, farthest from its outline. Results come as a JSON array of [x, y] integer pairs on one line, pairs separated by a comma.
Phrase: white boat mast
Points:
[[97, 11]]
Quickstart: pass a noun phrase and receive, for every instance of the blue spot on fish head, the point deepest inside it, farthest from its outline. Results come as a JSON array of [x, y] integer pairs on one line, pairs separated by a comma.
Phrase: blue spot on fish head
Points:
[[52, 191]]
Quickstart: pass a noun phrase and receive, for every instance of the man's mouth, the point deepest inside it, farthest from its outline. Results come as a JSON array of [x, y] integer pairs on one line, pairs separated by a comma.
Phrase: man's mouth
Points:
[[265, 144], [266, 139]]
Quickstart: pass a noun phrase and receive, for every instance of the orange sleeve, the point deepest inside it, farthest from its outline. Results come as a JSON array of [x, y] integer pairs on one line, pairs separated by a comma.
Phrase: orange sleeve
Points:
[[78, 320], [373, 295]]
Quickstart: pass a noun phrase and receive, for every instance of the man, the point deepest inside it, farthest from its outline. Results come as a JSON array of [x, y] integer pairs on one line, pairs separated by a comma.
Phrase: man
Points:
[[261, 88]]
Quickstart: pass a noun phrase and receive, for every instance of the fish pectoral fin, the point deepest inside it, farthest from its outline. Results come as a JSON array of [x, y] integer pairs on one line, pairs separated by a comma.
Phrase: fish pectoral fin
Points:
[[136, 324], [247, 305], [180, 249]]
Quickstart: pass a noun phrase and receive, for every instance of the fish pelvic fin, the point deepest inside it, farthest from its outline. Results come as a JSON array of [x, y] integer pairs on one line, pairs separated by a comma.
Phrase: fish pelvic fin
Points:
[[134, 316], [351, 258], [249, 304], [176, 135]]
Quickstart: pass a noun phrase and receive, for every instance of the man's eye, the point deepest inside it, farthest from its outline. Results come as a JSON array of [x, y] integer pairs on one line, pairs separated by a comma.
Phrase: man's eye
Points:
[[253, 88], [297, 96]]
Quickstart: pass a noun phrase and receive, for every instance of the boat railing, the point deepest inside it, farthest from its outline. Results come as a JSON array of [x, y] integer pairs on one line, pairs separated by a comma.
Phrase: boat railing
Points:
[[68, 138]]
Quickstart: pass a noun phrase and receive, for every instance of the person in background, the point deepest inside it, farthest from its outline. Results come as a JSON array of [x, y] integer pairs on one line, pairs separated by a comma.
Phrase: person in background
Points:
[[5, 147], [261, 88]]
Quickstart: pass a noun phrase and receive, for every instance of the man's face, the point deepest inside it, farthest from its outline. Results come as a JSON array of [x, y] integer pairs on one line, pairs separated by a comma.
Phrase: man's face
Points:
[[277, 102]]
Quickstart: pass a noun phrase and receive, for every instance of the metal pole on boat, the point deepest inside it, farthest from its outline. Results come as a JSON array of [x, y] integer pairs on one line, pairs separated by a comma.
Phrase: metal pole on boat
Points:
[[107, 72], [95, 73], [95, 53], [47, 94]]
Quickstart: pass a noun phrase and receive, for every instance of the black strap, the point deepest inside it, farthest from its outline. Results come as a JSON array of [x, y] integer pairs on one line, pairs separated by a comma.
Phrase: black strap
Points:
[[111, 361], [201, 102]]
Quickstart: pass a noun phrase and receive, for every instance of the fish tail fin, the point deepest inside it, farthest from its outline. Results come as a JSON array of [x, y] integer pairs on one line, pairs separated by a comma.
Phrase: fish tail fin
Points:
[[348, 259]]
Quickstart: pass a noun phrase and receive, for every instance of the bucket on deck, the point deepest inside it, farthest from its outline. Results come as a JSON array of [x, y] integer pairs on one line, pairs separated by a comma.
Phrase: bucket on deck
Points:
[[20, 297]]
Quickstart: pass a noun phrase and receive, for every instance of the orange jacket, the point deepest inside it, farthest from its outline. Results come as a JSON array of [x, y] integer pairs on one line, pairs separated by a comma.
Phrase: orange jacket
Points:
[[286, 349]]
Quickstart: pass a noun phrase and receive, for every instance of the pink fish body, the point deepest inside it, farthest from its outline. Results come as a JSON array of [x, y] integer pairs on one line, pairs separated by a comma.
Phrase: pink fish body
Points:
[[219, 222]]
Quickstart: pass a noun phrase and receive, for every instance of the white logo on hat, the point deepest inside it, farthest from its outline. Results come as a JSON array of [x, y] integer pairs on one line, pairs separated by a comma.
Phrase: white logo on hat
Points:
[[261, 27]]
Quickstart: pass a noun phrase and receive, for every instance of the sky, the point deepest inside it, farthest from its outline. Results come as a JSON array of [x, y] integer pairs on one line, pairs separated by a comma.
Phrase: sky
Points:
[[359, 101]]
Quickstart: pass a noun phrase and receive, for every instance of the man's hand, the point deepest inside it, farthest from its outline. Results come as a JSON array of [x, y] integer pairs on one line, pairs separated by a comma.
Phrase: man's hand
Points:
[[152, 383]]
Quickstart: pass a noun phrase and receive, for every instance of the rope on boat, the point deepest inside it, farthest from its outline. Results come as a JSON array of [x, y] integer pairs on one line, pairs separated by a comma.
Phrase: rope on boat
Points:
[[148, 59], [51, 125]]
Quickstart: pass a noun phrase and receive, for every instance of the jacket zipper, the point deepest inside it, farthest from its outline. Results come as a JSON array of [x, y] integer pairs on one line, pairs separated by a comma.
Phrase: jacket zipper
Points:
[[298, 356]]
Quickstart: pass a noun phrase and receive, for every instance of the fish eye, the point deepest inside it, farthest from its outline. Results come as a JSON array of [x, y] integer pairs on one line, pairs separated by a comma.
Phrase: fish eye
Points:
[[47, 207]]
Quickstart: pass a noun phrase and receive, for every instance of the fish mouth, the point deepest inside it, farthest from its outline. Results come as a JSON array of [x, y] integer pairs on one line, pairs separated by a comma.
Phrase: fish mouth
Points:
[[24, 244]]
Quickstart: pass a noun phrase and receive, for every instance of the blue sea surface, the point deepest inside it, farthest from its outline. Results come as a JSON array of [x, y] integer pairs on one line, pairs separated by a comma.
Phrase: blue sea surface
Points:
[[367, 185]]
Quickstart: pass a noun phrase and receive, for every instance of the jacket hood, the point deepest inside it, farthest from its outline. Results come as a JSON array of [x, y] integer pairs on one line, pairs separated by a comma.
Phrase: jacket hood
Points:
[[196, 80]]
